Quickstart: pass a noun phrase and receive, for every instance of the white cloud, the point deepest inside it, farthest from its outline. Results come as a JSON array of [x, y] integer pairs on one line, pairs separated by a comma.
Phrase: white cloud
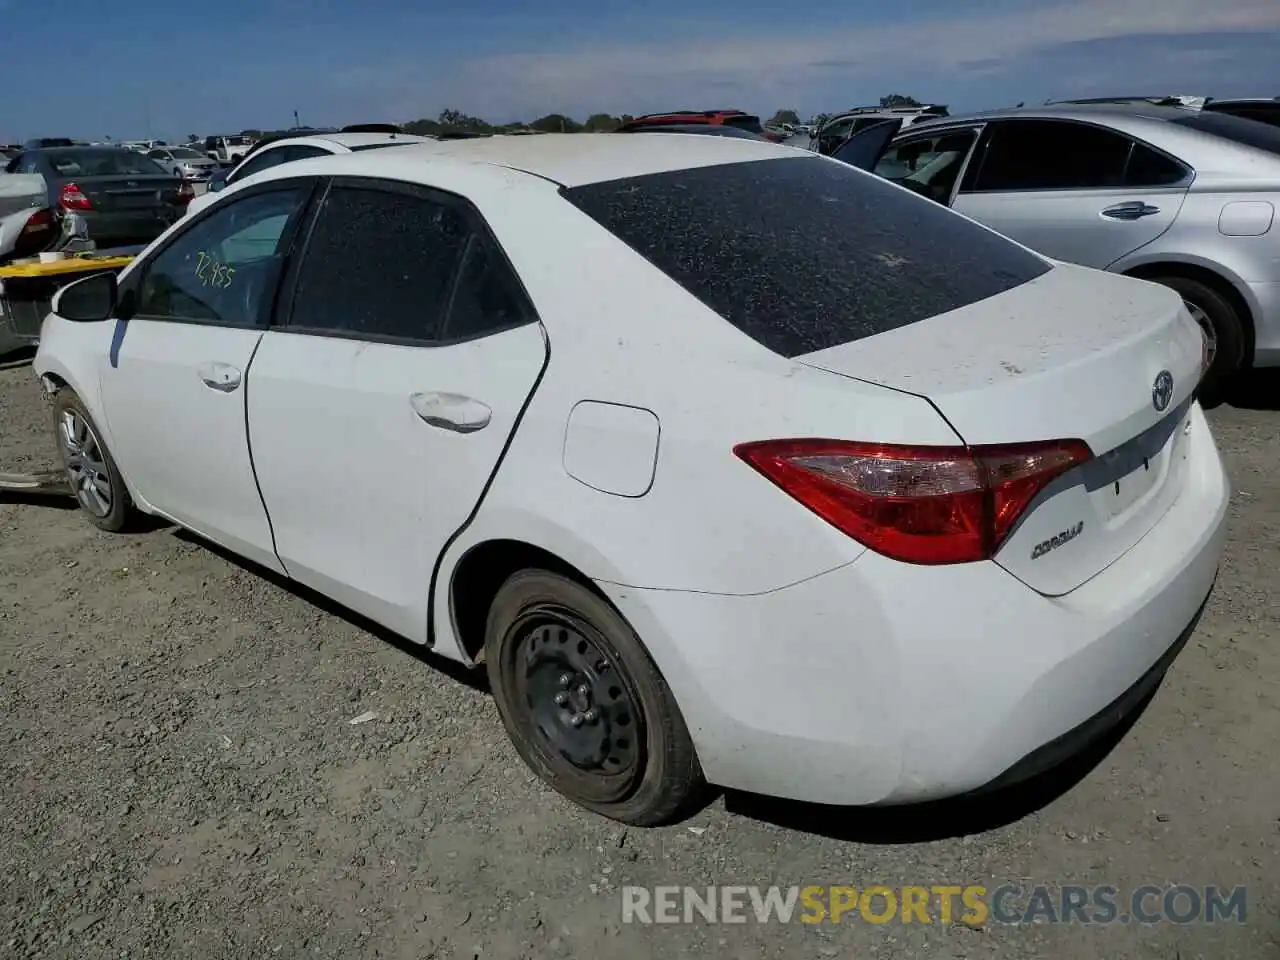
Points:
[[782, 66]]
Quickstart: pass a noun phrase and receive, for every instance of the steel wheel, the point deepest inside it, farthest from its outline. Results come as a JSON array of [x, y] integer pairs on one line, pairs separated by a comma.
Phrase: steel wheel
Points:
[[586, 715], [1206, 327], [86, 464], [584, 703]]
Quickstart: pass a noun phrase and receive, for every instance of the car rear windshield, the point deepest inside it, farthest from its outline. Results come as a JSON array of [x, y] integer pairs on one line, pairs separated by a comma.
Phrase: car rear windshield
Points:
[[745, 122], [1250, 133], [379, 146], [804, 253], [110, 162]]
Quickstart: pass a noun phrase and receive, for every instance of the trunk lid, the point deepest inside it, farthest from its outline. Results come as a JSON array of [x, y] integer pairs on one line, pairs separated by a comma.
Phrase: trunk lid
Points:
[[119, 193], [1073, 354]]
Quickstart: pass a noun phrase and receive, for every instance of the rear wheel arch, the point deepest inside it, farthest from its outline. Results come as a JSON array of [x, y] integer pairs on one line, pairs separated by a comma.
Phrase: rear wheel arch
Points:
[[1220, 284], [481, 572]]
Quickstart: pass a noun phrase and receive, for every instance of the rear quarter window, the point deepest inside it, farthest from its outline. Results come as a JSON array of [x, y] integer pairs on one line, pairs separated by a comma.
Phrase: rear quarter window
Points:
[[804, 253]]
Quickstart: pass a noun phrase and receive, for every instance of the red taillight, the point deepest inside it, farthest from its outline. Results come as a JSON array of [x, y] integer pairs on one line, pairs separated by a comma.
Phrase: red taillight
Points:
[[926, 505], [73, 198]]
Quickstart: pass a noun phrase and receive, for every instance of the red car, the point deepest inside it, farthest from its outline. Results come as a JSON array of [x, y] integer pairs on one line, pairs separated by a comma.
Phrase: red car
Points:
[[725, 118]]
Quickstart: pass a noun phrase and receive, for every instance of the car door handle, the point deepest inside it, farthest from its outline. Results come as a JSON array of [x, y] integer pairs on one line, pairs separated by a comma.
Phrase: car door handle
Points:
[[1133, 210], [451, 411], [219, 376]]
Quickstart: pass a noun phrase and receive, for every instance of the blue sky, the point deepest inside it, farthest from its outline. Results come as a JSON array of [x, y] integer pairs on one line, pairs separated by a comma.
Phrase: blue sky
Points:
[[148, 69]]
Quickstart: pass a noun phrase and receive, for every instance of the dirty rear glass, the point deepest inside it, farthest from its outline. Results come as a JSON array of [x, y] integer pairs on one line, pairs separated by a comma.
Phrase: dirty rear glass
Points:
[[802, 253]]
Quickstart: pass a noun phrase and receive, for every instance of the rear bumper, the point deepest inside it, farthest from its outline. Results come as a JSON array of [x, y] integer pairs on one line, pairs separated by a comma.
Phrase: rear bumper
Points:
[[1080, 738], [882, 683], [129, 226]]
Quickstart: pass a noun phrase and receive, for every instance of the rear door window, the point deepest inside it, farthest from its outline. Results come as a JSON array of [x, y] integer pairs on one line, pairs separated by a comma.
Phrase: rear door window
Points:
[[379, 265], [1037, 154], [805, 253], [487, 297]]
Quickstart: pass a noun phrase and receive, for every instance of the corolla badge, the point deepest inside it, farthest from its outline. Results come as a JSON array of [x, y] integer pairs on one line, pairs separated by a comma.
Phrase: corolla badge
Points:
[[1162, 390]]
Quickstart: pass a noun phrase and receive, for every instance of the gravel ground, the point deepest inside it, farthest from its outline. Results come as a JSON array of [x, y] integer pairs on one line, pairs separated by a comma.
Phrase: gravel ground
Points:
[[181, 779]]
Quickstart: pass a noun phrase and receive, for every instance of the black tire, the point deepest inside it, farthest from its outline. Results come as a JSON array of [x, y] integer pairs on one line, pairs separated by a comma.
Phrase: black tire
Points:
[[525, 649], [1228, 330], [121, 512]]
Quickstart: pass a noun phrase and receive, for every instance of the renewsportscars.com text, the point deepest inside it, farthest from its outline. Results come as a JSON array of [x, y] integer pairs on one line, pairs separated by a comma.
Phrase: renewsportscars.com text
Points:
[[937, 904]]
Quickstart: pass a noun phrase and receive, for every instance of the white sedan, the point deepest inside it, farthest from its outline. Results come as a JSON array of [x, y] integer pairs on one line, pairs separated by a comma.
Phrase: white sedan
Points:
[[730, 463], [272, 153]]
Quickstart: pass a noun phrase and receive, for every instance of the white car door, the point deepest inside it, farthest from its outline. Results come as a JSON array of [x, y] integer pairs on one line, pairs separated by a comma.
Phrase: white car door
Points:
[[381, 405], [173, 385], [1073, 191]]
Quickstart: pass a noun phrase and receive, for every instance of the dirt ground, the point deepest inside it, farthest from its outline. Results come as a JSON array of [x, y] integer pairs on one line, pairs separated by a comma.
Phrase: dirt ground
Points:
[[179, 778]]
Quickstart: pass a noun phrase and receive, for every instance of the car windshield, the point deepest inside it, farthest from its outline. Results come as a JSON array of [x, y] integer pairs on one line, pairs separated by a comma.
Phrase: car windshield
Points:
[[1249, 133], [184, 153], [801, 253], [102, 163]]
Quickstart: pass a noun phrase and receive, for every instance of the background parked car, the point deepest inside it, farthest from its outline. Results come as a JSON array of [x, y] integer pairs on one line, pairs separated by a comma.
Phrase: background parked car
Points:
[[714, 118], [124, 197], [228, 149], [841, 127], [706, 129], [1176, 195], [185, 162], [1262, 109], [285, 149]]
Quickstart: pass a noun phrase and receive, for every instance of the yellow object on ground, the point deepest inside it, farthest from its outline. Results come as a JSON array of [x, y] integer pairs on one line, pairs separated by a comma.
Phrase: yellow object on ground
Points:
[[59, 267]]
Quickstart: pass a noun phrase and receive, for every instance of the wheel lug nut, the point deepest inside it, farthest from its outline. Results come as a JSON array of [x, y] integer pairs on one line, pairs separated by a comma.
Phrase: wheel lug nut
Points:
[[584, 691], [565, 679], [592, 715], [561, 698], [576, 720]]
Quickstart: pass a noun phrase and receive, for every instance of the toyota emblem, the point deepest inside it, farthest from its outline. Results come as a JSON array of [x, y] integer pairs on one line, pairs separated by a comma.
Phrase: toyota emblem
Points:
[[1162, 390]]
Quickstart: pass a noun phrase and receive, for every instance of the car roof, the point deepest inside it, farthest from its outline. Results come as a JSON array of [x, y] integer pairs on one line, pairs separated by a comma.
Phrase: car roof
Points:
[[1069, 111], [351, 141], [576, 159], [562, 159], [80, 147]]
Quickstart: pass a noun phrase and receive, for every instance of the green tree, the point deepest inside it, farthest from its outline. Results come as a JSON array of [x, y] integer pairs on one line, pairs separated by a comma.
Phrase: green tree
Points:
[[601, 123], [785, 116], [556, 123], [898, 100], [422, 127]]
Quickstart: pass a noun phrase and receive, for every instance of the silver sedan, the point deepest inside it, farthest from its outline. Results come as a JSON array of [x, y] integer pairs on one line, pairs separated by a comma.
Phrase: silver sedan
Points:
[[184, 162], [1183, 197]]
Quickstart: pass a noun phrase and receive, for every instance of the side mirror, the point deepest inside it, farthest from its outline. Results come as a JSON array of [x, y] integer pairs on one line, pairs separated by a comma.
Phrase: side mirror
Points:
[[89, 300]]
